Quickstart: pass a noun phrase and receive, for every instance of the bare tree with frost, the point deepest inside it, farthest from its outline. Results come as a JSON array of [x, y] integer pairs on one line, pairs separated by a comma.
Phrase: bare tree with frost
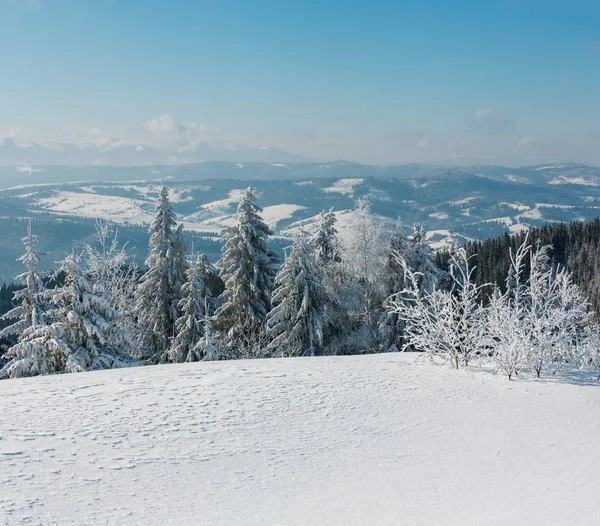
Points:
[[450, 324], [112, 270]]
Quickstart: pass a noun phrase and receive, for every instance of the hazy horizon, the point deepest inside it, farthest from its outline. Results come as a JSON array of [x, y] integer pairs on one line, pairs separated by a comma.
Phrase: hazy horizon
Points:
[[381, 83]]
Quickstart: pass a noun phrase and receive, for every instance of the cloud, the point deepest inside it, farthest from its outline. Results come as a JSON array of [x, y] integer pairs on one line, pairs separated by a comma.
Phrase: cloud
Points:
[[525, 142], [169, 131], [490, 122]]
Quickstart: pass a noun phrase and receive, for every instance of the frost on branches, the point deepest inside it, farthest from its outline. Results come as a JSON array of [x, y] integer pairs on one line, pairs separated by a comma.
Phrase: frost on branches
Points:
[[110, 268], [247, 267], [190, 327], [30, 305], [77, 337], [539, 320], [159, 291], [294, 325], [325, 239], [449, 324]]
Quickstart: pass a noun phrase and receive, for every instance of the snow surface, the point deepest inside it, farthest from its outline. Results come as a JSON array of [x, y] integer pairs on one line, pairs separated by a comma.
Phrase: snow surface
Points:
[[374, 439], [118, 209], [344, 186]]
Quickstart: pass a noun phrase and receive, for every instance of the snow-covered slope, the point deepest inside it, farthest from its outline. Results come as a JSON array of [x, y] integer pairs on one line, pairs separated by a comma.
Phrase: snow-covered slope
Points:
[[455, 204], [342, 440]]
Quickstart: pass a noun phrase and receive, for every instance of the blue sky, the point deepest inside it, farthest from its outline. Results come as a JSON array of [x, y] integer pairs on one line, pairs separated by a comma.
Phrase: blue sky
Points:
[[375, 81]]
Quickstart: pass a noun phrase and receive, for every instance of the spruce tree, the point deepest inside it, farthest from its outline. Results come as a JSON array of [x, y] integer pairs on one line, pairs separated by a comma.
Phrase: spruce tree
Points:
[[30, 305], [193, 306], [247, 267], [325, 238], [391, 328], [78, 335], [294, 325], [159, 291]]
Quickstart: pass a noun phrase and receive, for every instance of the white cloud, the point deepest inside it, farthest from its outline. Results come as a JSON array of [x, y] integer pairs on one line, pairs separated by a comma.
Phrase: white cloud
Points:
[[167, 131], [524, 142], [161, 123]]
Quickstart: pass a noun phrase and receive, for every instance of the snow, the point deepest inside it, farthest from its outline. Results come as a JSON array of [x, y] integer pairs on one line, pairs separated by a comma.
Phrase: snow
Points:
[[273, 214], [377, 439], [516, 206], [561, 179], [517, 227], [118, 209], [344, 186], [224, 204], [439, 215]]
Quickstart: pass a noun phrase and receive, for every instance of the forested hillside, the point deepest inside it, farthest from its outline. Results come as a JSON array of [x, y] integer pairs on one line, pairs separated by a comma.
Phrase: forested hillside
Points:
[[575, 245]]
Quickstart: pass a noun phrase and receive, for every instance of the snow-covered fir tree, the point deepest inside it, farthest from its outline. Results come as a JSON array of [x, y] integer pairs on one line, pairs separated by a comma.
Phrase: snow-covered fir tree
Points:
[[391, 328], [420, 257], [325, 239], [189, 328], [209, 347], [30, 307], [363, 257], [337, 284], [159, 291], [247, 267], [294, 324], [77, 337]]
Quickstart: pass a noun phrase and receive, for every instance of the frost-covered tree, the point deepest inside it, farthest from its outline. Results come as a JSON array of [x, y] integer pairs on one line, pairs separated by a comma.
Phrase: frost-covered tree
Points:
[[30, 307], [541, 319], [189, 328], [77, 337], [247, 267], [325, 239], [421, 259], [209, 347], [111, 269], [391, 328], [450, 324], [159, 291], [507, 321], [363, 257], [294, 324]]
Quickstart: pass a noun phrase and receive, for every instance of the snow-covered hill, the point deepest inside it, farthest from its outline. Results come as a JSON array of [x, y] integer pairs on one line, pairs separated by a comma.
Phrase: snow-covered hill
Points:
[[341, 440], [452, 206]]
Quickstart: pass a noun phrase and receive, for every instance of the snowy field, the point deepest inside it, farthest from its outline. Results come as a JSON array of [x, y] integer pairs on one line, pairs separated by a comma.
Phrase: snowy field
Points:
[[374, 440]]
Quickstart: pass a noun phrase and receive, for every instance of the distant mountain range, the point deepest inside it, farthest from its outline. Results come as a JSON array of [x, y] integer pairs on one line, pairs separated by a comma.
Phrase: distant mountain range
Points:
[[121, 153]]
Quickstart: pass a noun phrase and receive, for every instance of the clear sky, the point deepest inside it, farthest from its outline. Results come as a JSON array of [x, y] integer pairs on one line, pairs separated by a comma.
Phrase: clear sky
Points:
[[382, 81]]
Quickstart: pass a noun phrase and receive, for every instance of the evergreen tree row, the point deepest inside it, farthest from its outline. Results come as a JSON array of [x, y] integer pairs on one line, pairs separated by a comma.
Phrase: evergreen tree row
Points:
[[369, 288]]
